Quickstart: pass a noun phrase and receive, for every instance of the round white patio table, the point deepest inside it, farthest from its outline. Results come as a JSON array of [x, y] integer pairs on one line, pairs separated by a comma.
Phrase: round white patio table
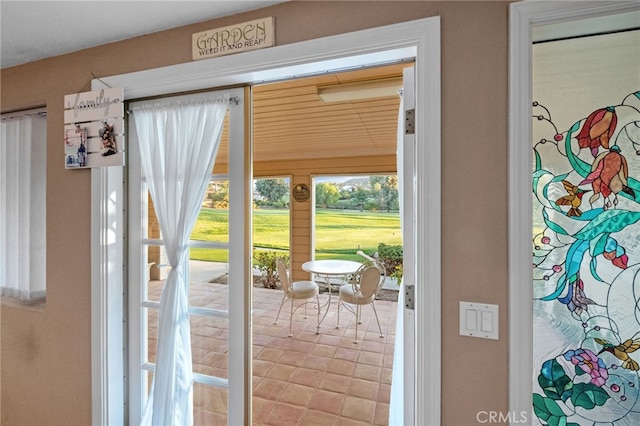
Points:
[[331, 268]]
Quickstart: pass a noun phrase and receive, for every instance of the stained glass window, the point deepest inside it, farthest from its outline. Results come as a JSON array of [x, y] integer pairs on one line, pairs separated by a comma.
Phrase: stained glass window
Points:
[[586, 230]]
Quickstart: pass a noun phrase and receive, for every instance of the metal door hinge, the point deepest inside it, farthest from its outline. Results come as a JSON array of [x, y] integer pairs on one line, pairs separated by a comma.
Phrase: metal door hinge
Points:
[[409, 121], [409, 297]]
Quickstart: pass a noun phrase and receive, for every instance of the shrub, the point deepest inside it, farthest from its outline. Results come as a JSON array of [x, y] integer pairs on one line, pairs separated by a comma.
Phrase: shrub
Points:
[[371, 205], [391, 258], [266, 263]]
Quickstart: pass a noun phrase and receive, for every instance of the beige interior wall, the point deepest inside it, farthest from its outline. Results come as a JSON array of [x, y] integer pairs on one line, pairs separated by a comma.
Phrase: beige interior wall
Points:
[[46, 353]]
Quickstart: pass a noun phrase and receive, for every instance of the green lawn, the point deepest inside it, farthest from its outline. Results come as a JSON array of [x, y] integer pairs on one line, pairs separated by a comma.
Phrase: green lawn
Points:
[[338, 233], [342, 233]]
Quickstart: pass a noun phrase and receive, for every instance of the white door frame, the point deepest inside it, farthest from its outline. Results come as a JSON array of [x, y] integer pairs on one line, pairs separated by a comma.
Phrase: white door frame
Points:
[[405, 320], [523, 17], [418, 39]]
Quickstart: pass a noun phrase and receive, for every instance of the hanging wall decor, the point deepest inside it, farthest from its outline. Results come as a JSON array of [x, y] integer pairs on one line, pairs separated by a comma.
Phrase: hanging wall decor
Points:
[[237, 38], [94, 129], [301, 192]]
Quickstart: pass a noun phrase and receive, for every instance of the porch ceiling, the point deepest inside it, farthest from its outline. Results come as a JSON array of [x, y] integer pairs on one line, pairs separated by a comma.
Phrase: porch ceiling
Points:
[[291, 122]]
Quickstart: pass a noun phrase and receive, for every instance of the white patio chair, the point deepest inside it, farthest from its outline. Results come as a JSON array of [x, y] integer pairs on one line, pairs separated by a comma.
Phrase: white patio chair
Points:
[[363, 289], [296, 290]]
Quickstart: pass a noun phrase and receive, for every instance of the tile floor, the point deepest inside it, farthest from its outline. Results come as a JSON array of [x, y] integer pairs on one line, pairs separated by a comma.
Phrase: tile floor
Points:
[[306, 379]]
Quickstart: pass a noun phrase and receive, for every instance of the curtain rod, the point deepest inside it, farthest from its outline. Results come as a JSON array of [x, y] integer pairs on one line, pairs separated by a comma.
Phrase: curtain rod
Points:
[[41, 111], [187, 102], [551, 40]]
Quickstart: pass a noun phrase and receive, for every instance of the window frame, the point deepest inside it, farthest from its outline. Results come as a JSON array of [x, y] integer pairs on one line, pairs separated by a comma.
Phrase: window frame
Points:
[[37, 241]]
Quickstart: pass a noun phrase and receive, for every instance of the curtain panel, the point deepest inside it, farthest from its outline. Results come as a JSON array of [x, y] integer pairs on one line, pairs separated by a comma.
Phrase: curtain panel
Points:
[[23, 207], [178, 144]]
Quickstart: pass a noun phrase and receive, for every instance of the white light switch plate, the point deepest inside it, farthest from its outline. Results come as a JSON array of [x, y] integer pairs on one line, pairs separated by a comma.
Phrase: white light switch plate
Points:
[[479, 320]]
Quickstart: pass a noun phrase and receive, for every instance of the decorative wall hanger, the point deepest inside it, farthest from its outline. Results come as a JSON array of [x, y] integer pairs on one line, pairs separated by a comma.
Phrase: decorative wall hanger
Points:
[[301, 192], [94, 129]]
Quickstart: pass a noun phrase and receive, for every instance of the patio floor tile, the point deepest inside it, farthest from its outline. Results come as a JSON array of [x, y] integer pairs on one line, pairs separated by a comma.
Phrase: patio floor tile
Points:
[[284, 414], [318, 418], [363, 389], [306, 376], [335, 382], [307, 379], [358, 409], [297, 395], [269, 389], [326, 401]]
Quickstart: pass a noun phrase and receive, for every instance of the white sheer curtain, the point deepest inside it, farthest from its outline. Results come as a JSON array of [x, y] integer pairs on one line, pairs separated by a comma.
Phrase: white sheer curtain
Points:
[[178, 144], [23, 206]]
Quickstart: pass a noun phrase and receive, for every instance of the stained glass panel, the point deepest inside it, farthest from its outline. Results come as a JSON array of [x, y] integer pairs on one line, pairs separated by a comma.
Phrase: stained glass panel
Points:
[[586, 230]]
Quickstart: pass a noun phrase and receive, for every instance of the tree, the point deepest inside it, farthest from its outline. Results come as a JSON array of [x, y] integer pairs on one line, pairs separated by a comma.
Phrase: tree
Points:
[[218, 194], [272, 189], [376, 183], [360, 196], [385, 190], [389, 193], [326, 194]]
